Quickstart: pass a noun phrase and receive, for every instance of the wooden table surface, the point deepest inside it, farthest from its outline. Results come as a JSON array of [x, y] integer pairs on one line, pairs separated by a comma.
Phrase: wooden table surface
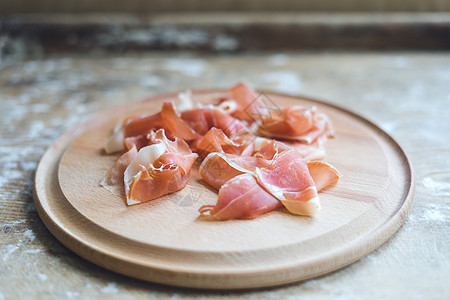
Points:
[[407, 94]]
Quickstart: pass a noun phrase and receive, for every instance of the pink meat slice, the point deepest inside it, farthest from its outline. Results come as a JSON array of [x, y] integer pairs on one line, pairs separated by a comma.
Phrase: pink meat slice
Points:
[[248, 106], [159, 169], [241, 198], [177, 126], [289, 180], [115, 173]]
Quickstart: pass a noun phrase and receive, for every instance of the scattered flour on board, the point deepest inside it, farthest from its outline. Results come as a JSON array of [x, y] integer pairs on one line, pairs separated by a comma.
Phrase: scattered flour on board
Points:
[[285, 81], [436, 187], [389, 127], [72, 295], [29, 234], [10, 249], [187, 67], [111, 288], [433, 213], [150, 81], [13, 223], [33, 251], [398, 62], [278, 59], [42, 277]]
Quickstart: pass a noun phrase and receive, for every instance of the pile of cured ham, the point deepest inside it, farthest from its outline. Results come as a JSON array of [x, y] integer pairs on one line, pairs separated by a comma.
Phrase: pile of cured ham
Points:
[[259, 158]]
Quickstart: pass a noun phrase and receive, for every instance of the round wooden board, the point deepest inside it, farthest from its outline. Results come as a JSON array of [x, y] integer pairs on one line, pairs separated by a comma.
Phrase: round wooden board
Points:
[[165, 241]]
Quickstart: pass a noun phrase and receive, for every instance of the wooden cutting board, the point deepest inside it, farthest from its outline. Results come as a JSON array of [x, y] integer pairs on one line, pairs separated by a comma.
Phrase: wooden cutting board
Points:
[[165, 241]]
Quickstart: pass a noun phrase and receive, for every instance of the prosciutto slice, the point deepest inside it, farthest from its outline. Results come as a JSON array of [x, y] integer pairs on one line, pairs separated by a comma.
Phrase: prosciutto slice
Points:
[[323, 174], [247, 106], [296, 123], [115, 173], [158, 169], [217, 141], [289, 180], [241, 198], [217, 168], [177, 126]]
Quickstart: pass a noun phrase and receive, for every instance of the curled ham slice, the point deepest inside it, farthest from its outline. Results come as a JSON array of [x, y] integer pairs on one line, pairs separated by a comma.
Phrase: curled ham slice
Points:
[[247, 106], [289, 180], [241, 198], [323, 174], [290, 121], [296, 123], [157, 170], [143, 125], [217, 141], [217, 168], [176, 124], [115, 173], [201, 120]]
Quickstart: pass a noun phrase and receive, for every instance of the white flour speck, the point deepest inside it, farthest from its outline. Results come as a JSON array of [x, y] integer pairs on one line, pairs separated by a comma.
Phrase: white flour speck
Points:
[[436, 187], [13, 223], [33, 251], [71, 294], [278, 59], [389, 127], [42, 277], [28, 166], [433, 213], [30, 235], [40, 108], [10, 249], [36, 129], [285, 81], [111, 288], [187, 67], [398, 62], [150, 81]]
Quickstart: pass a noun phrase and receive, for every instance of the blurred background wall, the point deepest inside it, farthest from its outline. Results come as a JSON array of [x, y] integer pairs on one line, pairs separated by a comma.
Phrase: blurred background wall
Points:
[[143, 6]]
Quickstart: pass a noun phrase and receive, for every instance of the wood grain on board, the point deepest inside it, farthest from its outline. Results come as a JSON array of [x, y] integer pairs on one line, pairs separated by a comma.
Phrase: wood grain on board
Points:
[[165, 241]]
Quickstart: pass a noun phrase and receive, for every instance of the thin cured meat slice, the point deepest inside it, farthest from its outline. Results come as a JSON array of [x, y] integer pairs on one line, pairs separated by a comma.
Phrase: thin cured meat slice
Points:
[[271, 149], [248, 106], [157, 170], [217, 141], [139, 142], [217, 168], [143, 125], [241, 198], [132, 127], [176, 124], [323, 174], [177, 145], [199, 119], [115, 173], [313, 151], [289, 180], [296, 123], [231, 126], [290, 121]]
